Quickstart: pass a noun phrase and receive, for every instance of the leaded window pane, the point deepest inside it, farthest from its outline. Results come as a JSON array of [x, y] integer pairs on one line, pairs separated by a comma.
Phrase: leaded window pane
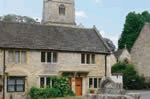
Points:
[[93, 59], [88, 59], [19, 88], [83, 58], [48, 82], [54, 57], [10, 59], [17, 56], [99, 82], [49, 57], [95, 82], [90, 82], [20, 81], [11, 82], [23, 57], [42, 56], [42, 82], [11, 88]]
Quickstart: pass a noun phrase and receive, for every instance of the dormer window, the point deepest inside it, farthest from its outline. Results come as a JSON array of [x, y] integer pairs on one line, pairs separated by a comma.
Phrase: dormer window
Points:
[[62, 10]]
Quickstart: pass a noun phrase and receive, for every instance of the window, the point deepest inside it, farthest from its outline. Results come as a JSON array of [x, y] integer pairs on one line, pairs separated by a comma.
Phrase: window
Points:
[[23, 57], [93, 58], [50, 57], [87, 58], [62, 10], [42, 82], [99, 82], [94, 82], [15, 84], [83, 58], [10, 57], [42, 56], [49, 83], [17, 57], [90, 82], [54, 57]]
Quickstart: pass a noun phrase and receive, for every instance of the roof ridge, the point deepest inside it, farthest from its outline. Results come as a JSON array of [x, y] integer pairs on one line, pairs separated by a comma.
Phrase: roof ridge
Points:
[[9, 22]]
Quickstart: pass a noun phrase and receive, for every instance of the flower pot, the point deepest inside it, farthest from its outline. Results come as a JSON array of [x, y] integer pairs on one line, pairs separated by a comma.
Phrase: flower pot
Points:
[[92, 91]]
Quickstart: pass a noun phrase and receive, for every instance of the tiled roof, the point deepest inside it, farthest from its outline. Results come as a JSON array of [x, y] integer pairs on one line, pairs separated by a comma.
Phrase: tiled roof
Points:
[[29, 36]]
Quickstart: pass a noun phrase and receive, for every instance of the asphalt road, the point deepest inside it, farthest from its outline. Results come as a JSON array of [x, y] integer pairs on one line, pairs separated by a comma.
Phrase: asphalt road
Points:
[[144, 94]]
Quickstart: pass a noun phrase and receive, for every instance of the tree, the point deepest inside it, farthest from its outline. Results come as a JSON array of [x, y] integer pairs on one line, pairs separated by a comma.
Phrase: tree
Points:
[[131, 80], [110, 44], [132, 27], [18, 18]]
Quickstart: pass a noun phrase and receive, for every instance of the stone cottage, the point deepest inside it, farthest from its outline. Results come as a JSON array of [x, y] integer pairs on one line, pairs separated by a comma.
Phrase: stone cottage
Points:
[[140, 52], [30, 54], [122, 55]]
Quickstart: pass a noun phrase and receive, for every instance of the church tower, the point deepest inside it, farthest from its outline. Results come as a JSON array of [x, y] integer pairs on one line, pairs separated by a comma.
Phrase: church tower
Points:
[[59, 12]]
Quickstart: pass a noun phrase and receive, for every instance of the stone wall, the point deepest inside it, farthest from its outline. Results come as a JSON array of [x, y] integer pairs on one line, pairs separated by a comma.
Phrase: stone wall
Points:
[[51, 12], [34, 69], [140, 52]]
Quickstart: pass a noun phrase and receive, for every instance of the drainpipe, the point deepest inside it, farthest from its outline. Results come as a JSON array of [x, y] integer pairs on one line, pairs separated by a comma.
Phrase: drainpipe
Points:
[[4, 75], [105, 65]]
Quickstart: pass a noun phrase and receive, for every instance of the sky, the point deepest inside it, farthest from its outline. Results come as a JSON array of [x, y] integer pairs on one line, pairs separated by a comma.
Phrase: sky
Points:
[[107, 15]]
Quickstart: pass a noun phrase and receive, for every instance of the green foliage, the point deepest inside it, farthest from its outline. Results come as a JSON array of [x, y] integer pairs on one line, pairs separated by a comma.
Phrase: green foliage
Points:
[[43, 93], [63, 85], [18, 18], [132, 27], [130, 78], [60, 89]]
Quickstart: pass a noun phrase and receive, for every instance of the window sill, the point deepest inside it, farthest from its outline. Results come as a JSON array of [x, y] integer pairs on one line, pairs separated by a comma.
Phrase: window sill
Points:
[[17, 63], [88, 64], [15, 91], [48, 63]]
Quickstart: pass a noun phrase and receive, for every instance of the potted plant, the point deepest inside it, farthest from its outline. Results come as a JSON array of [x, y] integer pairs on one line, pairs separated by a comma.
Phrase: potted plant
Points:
[[92, 91]]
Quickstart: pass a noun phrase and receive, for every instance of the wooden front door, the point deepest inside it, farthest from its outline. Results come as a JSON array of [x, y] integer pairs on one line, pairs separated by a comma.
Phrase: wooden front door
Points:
[[78, 86], [70, 83]]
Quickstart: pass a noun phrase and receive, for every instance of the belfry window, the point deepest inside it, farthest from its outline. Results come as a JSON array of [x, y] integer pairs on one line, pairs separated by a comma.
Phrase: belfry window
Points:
[[61, 9]]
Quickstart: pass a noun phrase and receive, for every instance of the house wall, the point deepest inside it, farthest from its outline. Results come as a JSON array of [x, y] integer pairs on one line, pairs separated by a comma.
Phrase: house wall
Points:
[[140, 52], [125, 54], [34, 69]]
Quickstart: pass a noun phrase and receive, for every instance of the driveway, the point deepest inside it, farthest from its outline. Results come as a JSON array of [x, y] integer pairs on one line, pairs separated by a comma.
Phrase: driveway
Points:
[[145, 94]]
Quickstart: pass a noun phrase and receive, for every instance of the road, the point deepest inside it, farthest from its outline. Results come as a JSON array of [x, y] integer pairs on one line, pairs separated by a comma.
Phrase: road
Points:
[[144, 94]]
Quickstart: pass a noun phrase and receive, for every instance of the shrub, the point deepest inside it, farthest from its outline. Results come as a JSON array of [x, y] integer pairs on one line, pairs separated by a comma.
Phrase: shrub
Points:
[[131, 80], [60, 89], [43, 93], [62, 84]]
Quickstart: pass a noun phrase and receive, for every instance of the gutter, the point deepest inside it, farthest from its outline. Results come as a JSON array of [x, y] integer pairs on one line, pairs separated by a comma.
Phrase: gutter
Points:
[[4, 75]]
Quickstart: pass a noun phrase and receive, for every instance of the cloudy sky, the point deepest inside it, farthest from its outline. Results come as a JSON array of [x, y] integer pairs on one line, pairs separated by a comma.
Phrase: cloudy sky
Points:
[[107, 15]]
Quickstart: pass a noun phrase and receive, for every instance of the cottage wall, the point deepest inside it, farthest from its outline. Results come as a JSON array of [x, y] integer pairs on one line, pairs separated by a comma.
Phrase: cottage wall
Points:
[[140, 52], [67, 61]]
